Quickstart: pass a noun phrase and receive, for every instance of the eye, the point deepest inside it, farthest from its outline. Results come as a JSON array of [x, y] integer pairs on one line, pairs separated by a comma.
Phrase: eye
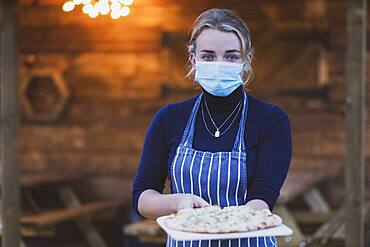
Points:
[[207, 57], [232, 57]]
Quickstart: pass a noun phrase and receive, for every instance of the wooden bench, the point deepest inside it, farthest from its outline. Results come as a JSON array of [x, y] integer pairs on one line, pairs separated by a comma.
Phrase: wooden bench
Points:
[[333, 228], [73, 210], [303, 182], [35, 179], [55, 217], [297, 183], [146, 231]]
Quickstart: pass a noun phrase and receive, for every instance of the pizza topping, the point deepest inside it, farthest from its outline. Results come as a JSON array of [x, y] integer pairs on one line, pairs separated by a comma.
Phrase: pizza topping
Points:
[[213, 219]]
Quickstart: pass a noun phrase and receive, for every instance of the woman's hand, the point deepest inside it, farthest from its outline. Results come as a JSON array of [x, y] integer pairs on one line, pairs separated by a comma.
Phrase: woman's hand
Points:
[[153, 204], [181, 201], [257, 204]]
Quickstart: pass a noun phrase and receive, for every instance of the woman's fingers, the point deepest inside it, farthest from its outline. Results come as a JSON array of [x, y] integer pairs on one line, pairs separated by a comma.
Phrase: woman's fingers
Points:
[[200, 202], [190, 201], [182, 201]]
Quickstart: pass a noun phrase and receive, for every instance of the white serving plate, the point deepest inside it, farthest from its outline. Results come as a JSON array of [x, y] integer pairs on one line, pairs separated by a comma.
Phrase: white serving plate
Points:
[[281, 230]]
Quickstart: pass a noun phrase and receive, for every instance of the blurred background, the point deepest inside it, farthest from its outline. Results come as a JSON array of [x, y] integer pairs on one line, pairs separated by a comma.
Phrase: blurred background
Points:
[[91, 79]]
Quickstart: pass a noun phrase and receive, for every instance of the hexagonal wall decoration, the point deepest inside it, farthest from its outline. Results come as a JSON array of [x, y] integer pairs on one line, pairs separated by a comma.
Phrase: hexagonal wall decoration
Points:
[[43, 95]]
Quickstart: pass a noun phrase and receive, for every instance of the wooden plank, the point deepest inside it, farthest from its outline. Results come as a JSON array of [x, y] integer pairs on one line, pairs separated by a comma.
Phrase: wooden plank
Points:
[[341, 233], [298, 238], [77, 39], [307, 217], [34, 232], [166, 2], [297, 182], [146, 231], [71, 200], [62, 215], [143, 227], [10, 202], [329, 147], [327, 230], [316, 201], [356, 120], [47, 178], [333, 228]]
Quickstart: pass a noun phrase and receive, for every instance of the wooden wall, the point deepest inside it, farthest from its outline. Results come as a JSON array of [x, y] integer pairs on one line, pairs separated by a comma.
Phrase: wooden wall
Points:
[[119, 72]]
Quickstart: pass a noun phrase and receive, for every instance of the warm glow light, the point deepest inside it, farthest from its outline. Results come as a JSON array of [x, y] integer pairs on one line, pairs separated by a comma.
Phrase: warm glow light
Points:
[[94, 12], [127, 2], [68, 6], [125, 11], [87, 8], [104, 8], [77, 2], [115, 14], [94, 8], [115, 6]]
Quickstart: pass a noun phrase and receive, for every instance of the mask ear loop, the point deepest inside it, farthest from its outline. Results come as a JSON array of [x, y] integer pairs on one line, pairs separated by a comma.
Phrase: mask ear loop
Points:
[[193, 69], [196, 62], [249, 69]]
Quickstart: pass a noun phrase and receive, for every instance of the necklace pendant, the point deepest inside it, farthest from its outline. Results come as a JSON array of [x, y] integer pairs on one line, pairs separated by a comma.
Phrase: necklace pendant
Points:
[[217, 133]]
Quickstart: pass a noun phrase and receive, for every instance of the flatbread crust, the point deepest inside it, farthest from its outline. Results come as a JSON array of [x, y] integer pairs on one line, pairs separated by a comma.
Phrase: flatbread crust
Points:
[[213, 219]]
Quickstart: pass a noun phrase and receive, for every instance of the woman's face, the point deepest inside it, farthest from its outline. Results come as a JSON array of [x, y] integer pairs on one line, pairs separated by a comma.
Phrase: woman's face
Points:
[[214, 45]]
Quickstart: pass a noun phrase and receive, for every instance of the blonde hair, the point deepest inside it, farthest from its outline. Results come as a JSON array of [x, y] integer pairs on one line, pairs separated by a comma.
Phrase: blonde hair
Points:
[[227, 21]]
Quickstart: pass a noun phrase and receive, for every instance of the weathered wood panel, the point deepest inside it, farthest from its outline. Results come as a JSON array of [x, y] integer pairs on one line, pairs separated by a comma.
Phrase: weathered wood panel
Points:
[[9, 125], [121, 71]]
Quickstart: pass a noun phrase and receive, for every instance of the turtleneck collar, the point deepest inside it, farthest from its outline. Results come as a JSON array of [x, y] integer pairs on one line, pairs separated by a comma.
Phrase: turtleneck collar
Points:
[[224, 104]]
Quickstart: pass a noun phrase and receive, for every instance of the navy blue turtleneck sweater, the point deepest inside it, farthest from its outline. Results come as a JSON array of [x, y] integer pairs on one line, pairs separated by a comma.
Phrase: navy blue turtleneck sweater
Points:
[[267, 138]]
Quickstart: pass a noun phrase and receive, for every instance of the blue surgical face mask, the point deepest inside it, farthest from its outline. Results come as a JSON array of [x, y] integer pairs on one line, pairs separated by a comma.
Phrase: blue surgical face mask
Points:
[[219, 78]]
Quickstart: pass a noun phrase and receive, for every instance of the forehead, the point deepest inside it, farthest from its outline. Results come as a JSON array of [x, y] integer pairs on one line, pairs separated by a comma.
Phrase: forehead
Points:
[[215, 40]]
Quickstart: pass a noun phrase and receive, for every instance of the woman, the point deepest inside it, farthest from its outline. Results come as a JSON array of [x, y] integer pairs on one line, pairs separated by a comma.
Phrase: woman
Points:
[[221, 147]]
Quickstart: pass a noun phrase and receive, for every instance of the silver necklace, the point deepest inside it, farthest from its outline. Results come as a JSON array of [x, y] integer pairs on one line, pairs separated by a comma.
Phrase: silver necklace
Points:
[[217, 132]]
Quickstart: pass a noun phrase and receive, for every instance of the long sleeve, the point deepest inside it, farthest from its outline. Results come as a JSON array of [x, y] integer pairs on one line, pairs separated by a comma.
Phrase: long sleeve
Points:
[[152, 170], [273, 159]]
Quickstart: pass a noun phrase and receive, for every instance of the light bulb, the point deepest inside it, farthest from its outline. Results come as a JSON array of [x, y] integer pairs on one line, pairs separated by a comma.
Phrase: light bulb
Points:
[[94, 8], [104, 2], [104, 8], [94, 12], [127, 2], [125, 11], [87, 8], [68, 6], [115, 6], [115, 14]]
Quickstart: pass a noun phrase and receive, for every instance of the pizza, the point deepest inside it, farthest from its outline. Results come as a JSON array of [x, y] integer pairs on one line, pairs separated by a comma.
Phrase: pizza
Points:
[[214, 219]]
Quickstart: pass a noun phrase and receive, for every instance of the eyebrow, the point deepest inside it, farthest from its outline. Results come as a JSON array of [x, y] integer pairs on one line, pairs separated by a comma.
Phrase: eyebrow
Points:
[[233, 51], [228, 51]]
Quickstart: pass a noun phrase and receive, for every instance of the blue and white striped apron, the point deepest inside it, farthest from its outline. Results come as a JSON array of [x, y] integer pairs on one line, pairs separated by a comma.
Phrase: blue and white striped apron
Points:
[[220, 178]]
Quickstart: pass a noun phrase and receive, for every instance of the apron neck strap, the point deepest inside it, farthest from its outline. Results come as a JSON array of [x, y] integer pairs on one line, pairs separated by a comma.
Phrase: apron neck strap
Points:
[[239, 145], [187, 137]]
